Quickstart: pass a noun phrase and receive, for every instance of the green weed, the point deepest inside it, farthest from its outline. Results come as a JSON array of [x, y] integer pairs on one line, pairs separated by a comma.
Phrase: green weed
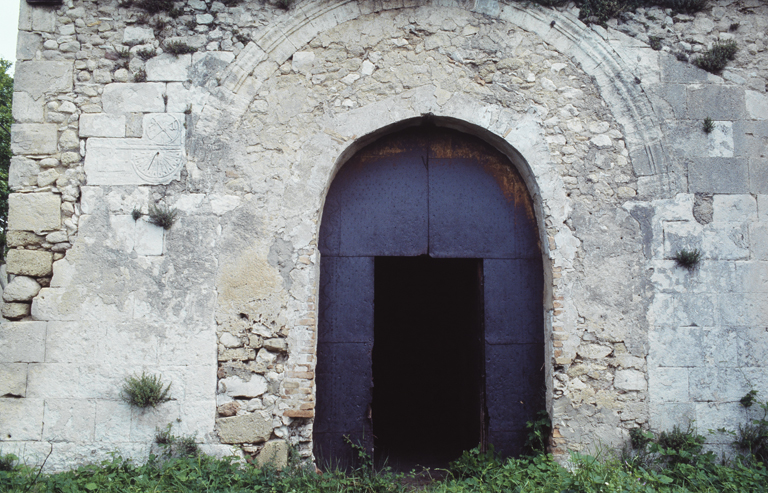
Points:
[[145, 391], [715, 59], [163, 216], [688, 258]]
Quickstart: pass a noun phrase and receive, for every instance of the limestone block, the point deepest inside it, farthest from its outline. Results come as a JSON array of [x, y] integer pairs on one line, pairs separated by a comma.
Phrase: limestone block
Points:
[[26, 109], [34, 211], [207, 66], [665, 415], [743, 309], [248, 428], [221, 204], [69, 140], [718, 175], [236, 387], [112, 422], [102, 125], [22, 342], [21, 288], [713, 416], [23, 172], [303, 61], [629, 380], [148, 239], [146, 97], [69, 420], [47, 178], [757, 105], [167, 67], [38, 78], [668, 384], [13, 379], [716, 102], [157, 158], [21, 419], [752, 347], [34, 263], [43, 19], [181, 99], [717, 384], [277, 345], [34, 138], [274, 454], [137, 35], [593, 351], [27, 45], [15, 311], [734, 208], [758, 175], [720, 140]]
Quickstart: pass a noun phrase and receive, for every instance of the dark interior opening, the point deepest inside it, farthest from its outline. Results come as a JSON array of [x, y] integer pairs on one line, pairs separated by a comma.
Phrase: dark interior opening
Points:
[[427, 360]]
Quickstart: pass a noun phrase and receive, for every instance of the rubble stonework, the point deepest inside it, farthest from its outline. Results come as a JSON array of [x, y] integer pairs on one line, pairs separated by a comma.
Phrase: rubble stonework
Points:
[[244, 136]]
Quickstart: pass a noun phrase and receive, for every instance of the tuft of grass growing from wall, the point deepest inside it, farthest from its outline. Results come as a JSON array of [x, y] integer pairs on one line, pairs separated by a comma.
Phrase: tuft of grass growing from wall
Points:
[[145, 390], [179, 48], [155, 6], [688, 258], [716, 58], [163, 216], [708, 125]]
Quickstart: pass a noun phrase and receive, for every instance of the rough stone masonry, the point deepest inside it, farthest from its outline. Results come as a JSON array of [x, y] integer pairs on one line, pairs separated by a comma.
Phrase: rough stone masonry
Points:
[[244, 136]]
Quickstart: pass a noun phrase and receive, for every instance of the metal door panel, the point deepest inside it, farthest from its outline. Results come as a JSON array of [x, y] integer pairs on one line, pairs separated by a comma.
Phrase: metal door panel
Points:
[[513, 291], [514, 378], [346, 299]]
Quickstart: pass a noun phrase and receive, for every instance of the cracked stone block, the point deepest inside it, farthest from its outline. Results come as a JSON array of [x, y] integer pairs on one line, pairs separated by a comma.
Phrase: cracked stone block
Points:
[[23, 172], [33, 263], [34, 138], [34, 211], [102, 125], [27, 45], [38, 78], [248, 428]]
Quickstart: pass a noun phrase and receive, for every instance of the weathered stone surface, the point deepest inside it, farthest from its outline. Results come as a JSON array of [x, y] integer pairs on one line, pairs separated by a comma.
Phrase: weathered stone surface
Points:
[[716, 102], [22, 342], [16, 238], [102, 125], [13, 379], [34, 263], [38, 78], [15, 311], [23, 173], [132, 97], [630, 380], [34, 211], [134, 35], [21, 288], [237, 387], [276, 345], [21, 419], [719, 175], [34, 138], [26, 109], [248, 428], [167, 67], [303, 61], [27, 45], [274, 454], [228, 409], [756, 104]]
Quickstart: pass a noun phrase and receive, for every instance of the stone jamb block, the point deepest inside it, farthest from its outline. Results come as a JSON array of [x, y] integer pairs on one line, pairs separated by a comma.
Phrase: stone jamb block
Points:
[[32, 263], [34, 138], [34, 211], [26, 109], [758, 175]]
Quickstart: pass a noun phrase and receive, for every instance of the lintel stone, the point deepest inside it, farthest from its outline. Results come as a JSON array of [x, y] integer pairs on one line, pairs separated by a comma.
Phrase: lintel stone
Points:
[[34, 211], [34, 138]]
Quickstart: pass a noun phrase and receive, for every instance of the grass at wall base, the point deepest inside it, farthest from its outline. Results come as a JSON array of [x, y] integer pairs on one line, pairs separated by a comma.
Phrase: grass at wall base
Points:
[[671, 462]]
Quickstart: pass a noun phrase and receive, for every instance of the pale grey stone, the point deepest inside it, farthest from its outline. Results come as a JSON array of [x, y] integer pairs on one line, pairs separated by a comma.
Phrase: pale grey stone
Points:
[[274, 454], [34, 263], [168, 67], [230, 340], [38, 77], [248, 428], [208, 66], [69, 140], [236, 387], [102, 125], [26, 109], [34, 211], [21, 288], [27, 45], [204, 19], [22, 342], [13, 379], [758, 175], [668, 384], [720, 140], [134, 97], [21, 419], [303, 61], [134, 35], [594, 351], [44, 19], [630, 380], [15, 311], [34, 138], [716, 102], [758, 238], [718, 175], [69, 420], [734, 208], [757, 105], [278, 345], [23, 172], [148, 239]]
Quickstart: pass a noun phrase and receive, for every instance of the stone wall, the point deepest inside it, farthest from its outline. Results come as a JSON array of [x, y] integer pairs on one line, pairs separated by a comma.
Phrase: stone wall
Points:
[[244, 136]]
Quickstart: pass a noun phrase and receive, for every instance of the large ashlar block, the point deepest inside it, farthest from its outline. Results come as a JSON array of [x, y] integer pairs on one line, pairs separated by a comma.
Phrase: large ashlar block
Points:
[[156, 158], [34, 211], [102, 125], [22, 342], [26, 109], [145, 97], [168, 67], [38, 78], [23, 172], [33, 263], [34, 138], [21, 419], [69, 420], [248, 428], [13, 379]]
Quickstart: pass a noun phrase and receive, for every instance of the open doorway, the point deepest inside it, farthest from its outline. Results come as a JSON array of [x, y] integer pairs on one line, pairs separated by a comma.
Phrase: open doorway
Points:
[[428, 383]]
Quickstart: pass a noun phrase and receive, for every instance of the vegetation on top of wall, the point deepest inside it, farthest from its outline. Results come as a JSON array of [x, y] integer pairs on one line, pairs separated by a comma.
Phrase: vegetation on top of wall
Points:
[[714, 59], [599, 11], [6, 119]]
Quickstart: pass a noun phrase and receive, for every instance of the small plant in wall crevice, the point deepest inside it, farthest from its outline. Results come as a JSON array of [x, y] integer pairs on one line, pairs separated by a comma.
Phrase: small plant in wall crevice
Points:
[[145, 391], [688, 258], [709, 125], [162, 215]]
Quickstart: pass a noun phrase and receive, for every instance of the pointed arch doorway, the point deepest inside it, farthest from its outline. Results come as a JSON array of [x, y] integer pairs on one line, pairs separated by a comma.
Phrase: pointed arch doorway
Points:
[[430, 330]]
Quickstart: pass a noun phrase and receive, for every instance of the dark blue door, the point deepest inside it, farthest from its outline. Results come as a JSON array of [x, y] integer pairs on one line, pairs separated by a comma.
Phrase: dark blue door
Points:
[[435, 191]]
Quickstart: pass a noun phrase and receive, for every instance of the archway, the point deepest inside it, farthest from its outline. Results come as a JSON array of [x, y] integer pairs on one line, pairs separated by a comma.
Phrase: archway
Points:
[[430, 335]]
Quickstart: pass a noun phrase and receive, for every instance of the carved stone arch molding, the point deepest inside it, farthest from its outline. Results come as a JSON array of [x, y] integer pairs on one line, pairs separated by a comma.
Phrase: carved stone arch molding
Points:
[[333, 137]]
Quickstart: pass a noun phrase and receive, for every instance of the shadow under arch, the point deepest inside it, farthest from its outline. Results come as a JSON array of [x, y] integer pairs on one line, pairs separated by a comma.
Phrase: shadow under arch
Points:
[[429, 234]]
